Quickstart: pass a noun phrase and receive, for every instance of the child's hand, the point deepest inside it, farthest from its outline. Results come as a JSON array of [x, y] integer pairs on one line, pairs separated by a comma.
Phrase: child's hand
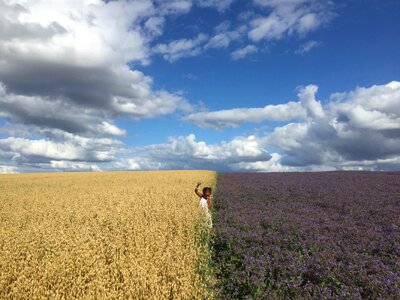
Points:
[[199, 183]]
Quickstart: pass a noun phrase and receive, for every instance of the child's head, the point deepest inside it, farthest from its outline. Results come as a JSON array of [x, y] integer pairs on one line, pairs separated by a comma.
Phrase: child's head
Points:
[[206, 192]]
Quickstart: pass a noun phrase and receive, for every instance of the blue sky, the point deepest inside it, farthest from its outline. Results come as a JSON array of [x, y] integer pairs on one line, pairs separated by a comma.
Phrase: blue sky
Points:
[[232, 85]]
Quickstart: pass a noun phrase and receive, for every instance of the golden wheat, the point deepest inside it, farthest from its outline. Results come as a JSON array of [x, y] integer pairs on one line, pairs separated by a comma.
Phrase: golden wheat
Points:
[[114, 235]]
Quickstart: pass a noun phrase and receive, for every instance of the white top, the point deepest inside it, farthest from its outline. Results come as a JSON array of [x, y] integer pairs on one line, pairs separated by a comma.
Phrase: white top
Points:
[[203, 203]]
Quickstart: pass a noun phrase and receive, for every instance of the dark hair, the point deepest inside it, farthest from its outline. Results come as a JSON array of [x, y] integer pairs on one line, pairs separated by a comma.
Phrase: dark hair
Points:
[[206, 189]]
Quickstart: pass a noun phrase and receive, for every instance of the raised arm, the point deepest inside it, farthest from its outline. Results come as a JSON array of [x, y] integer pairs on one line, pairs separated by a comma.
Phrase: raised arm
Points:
[[196, 190]]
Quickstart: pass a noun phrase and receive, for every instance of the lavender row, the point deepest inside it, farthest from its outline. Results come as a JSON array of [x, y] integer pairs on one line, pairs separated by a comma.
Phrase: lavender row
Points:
[[325, 235]]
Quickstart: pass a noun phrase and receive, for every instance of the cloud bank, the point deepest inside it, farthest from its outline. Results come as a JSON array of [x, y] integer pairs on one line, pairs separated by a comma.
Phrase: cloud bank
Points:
[[68, 69], [68, 57], [356, 130], [184, 152]]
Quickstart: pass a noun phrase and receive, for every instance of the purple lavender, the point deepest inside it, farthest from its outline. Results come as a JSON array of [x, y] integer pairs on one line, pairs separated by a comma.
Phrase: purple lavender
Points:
[[323, 235]]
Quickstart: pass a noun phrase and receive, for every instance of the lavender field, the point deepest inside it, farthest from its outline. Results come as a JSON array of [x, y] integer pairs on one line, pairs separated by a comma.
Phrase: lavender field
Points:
[[324, 235]]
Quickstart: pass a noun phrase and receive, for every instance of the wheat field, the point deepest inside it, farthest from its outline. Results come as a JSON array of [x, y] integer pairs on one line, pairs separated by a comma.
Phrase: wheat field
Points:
[[104, 235]]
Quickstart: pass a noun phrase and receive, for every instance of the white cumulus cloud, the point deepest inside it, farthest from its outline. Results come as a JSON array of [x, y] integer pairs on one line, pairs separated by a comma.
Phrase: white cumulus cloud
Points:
[[243, 52], [185, 152], [307, 47], [360, 128], [356, 129], [308, 106], [60, 58], [181, 48], [289, 17]]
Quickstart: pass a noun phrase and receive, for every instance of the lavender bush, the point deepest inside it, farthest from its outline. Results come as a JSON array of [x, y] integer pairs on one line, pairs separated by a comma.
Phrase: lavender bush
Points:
[[325, 235]]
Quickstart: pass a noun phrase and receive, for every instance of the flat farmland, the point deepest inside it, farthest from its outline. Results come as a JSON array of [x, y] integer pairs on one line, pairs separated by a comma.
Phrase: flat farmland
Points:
[[142, 235], [322, 235], [111, 235]]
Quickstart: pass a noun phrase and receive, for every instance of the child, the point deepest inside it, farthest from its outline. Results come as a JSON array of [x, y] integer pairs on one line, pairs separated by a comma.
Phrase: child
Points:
[[205, 201]]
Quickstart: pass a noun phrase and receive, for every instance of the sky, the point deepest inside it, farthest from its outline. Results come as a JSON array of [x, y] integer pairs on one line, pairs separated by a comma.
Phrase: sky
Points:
[[228, 85]]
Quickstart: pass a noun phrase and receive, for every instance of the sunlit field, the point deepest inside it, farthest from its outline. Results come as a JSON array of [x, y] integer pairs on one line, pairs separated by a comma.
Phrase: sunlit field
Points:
[[112, 235]]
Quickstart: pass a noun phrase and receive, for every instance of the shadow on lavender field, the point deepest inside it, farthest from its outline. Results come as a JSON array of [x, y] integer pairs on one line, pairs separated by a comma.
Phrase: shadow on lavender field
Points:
[[325, 235]]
